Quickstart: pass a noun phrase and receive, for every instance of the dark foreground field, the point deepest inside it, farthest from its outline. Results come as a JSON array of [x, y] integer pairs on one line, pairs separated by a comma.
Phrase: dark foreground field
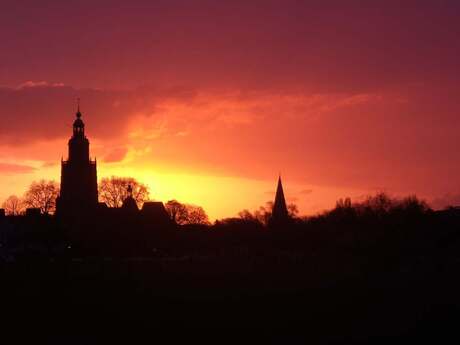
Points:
[[368, 274], [100, 300]]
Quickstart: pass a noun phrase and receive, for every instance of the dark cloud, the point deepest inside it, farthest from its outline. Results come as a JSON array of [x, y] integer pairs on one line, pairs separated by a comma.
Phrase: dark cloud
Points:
[[43, 111], [37, 111]]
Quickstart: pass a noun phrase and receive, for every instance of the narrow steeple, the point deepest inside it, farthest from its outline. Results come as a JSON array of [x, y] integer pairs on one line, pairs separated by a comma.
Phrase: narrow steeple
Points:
[[78, 108], [78, 143], [280, 212], [78, 125]]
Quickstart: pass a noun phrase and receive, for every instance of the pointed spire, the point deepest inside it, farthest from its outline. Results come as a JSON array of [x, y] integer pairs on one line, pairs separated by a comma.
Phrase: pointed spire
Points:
[[280, 212]]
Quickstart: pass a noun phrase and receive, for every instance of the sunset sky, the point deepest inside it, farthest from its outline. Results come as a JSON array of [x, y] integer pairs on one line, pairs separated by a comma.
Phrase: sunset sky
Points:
[[207, 101]]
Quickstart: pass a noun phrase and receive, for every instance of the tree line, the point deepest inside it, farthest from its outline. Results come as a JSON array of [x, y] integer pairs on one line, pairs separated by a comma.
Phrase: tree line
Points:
[[112, 191]]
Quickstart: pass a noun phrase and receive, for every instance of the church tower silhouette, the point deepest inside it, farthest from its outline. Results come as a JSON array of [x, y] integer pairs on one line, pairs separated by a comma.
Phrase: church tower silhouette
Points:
[[280, 213], [78, 175]]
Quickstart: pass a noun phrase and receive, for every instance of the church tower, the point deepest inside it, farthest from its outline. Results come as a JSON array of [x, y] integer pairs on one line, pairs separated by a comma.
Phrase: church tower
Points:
[[280, 213], [78, 175]]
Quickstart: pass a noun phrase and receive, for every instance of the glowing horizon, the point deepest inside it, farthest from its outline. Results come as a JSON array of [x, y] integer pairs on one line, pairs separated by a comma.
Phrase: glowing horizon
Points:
[[207, 102]]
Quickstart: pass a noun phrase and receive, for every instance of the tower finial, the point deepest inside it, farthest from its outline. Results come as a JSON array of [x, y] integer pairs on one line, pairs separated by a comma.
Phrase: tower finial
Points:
[[78, 108]]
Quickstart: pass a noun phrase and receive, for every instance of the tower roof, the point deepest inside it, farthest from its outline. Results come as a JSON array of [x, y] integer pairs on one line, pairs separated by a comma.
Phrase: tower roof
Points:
[[78, 108], [78, 123], [280, 211]]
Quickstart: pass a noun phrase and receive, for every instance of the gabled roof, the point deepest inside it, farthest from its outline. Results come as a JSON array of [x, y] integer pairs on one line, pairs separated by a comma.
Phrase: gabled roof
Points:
[[155, 209]]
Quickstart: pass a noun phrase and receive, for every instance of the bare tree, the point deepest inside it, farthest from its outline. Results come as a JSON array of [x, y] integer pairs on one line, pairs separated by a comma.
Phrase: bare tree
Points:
[[261, 215], [293, 210], [13, 205], [343, 203], [186, 213], [114, 190], [177, 211], [42, 195], [413, 204], [247, 215], [264, 213], [197, 215]]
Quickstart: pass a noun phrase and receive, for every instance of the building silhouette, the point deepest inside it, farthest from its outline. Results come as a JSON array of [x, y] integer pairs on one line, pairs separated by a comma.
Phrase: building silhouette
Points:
[[90, 223], [129, 204], [280, 215], [78, 194]]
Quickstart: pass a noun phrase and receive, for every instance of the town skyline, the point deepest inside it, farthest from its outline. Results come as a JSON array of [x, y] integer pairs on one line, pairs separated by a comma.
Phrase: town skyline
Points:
[[208, 104], [79, 192], [165, 191], [262, 172]]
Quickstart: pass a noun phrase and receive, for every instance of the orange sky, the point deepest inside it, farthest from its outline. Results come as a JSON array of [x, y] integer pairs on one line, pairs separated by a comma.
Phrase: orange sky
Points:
[[192, 151], [207, 102]]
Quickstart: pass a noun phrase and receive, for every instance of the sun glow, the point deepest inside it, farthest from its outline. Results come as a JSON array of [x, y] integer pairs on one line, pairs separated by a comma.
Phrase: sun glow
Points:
[[219, 195]]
